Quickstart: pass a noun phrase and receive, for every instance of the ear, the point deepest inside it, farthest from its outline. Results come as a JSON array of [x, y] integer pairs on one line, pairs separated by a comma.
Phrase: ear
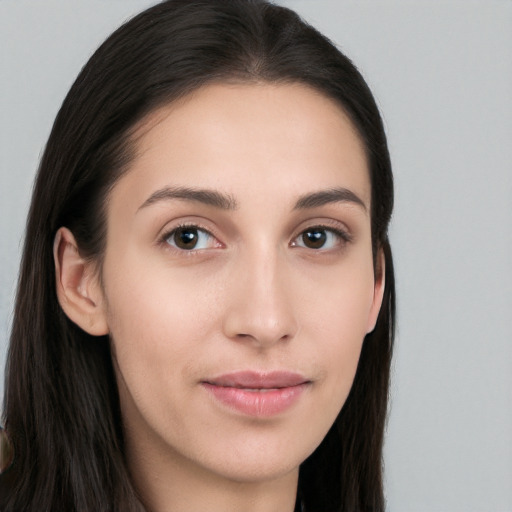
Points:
[[78, 288], [378, 291]]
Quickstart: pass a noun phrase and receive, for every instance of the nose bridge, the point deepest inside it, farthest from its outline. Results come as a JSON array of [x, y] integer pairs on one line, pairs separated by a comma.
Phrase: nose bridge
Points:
[[261, 307]]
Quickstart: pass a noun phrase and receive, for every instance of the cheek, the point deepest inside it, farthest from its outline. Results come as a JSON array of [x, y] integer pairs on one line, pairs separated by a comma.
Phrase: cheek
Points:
[[337, 322], [154, 326], [339, 303], [158, 341]]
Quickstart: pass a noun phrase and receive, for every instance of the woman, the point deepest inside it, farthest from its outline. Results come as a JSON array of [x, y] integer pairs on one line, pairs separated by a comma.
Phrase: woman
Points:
[[205, 310]]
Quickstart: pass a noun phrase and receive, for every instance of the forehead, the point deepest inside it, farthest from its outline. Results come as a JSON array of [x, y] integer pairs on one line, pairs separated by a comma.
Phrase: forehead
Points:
[[243, 137]]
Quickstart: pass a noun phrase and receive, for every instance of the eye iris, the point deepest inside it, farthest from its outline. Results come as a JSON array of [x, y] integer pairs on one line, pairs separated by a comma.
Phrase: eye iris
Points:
[[314, 238], [186, 238]]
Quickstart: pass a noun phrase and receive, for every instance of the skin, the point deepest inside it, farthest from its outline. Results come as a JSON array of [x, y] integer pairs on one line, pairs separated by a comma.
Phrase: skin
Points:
[[254, 294]]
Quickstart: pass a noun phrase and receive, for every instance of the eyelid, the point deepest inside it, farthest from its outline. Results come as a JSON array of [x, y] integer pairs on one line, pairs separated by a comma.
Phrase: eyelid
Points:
[[335, 227], [168, 232], [338, 228]]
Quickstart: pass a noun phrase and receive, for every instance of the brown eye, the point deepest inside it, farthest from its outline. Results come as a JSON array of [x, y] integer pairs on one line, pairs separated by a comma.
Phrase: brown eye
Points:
[[188, 238], [321, 238], [314, 238]]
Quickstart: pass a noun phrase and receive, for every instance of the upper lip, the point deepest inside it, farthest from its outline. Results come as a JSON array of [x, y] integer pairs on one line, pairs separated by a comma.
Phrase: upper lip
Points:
[[258, 380]]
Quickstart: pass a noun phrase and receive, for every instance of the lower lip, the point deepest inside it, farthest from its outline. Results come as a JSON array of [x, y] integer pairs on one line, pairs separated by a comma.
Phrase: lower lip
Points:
[[261, 403]]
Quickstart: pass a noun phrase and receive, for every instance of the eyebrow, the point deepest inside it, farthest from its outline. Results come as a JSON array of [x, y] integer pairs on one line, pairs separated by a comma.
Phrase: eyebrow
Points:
[[199, 195], [227, 202], [332, 195]]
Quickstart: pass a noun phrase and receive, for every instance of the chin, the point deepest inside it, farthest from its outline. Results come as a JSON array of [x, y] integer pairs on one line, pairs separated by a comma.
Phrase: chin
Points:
[[260, 460], [257, 470]]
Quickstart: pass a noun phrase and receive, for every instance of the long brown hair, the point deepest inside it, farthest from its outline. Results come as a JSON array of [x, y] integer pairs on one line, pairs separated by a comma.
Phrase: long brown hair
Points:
[[61, 403]]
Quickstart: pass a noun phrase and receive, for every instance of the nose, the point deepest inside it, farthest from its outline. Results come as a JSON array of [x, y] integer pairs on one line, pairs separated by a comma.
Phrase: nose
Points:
[[261, 305]]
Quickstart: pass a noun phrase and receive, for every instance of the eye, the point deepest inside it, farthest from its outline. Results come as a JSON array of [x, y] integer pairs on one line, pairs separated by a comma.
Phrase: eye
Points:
[[188, 238], [320, 238]]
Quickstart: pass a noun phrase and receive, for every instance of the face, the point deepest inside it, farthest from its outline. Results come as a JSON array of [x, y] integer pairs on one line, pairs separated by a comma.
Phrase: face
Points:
[[238, 278]]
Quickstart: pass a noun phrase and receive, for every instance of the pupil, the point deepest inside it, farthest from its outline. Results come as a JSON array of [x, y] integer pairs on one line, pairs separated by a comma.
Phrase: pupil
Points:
[[314, 239], [186, 238]]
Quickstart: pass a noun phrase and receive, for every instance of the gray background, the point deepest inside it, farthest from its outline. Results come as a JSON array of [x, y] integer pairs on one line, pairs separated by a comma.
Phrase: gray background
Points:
[[442, 75]]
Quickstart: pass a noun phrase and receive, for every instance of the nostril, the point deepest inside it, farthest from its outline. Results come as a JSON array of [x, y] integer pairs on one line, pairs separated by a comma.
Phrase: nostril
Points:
[[268, 317]]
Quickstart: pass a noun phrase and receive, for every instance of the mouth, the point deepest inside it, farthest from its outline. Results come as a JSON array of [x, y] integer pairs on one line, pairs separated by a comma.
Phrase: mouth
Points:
[[257, 394]]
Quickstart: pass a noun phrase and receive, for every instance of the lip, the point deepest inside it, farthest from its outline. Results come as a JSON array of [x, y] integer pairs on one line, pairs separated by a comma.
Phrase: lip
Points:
[[261, 394]]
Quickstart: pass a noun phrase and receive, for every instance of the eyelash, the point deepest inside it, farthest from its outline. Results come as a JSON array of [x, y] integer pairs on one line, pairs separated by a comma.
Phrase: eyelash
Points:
[[164, 239], [343, 237]]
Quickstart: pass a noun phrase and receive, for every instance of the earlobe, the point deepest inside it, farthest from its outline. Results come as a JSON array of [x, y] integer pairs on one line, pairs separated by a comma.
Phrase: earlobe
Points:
[[78, 288], [378, 291]]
